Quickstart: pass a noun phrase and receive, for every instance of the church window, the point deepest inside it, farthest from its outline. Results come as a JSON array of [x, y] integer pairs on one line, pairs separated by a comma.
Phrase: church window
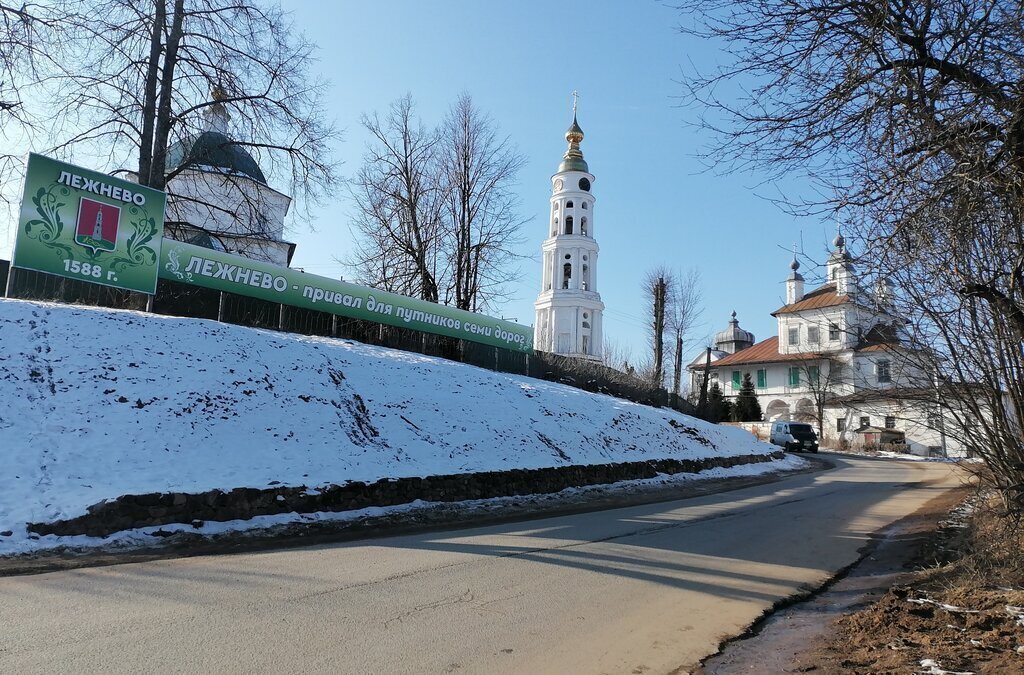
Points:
[[584, 206], [566, 274], [833, 332], [736, 379], [794, 377], [833, 274], [762, 378], [585, 315], [586, 277], [568, 224], [586, 324], [568, 204], [812, 335], [882, 369], [583, 226], [794, 336], [586, 344]]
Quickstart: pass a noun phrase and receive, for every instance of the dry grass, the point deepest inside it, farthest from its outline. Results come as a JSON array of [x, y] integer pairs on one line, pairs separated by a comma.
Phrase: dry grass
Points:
[[959, 609]]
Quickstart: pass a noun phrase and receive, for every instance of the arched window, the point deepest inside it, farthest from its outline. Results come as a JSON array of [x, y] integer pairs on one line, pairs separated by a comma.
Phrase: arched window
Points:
[[568, 224], [583, 226], [566, 274], [585, 279], [584, 206], [568, 204], [586, 324]]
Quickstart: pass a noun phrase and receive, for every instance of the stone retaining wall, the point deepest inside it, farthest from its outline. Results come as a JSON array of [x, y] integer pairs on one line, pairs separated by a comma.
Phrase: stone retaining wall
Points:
[[131, 511]]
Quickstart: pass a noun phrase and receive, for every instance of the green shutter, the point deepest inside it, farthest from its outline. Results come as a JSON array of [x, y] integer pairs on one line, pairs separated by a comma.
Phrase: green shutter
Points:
[[736, 379], [812, 374], [794, 377], [762, 378]]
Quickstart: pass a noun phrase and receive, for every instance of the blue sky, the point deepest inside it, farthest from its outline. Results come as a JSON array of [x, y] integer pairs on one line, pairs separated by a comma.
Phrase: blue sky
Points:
[[656, 203]]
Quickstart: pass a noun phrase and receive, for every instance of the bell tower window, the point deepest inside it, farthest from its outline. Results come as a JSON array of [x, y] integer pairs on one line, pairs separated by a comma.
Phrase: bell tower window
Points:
[[568, 224], [583, 226], [566, 274], [568, 204]]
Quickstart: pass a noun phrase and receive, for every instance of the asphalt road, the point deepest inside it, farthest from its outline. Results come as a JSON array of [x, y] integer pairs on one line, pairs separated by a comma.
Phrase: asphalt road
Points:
[[645, 589]]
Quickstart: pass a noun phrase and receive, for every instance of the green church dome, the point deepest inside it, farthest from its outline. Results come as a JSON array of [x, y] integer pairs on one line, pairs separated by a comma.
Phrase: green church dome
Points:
[[212, 149]]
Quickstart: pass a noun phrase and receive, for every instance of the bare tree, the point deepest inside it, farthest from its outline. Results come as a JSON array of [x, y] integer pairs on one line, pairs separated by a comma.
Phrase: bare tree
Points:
[[478, 170], [25, 32], [134, 77], [821, 387], [615, 354], [399, 202], [682, 313], [910, 114], [437, 215], [657, 286]]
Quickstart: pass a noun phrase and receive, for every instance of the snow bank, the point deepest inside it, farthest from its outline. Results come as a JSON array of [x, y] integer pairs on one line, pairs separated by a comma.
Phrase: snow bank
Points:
[[99, 403]]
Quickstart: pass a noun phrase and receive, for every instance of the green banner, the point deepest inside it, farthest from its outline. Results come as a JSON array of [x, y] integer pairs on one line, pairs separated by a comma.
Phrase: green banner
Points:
[[190, 264], [89, 226]]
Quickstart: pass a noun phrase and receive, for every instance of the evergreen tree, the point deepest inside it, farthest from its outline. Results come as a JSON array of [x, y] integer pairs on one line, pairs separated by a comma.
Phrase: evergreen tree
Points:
[[747, 409], [718, 407]]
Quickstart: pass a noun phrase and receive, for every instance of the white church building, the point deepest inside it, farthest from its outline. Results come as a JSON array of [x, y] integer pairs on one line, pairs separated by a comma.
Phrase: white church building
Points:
[[834, 361], [218, 196], [569, 307]]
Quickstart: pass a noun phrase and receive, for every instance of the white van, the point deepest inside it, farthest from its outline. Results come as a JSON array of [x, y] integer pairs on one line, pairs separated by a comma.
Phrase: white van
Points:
[[794, 436]]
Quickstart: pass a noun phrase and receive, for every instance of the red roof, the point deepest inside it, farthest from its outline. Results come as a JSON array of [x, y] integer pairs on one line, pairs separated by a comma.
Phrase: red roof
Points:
[[823, 296], [766, 351], [887, 347]]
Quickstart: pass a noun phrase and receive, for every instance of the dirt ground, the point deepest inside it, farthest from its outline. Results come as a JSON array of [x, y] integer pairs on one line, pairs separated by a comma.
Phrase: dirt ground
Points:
[[961, 611]]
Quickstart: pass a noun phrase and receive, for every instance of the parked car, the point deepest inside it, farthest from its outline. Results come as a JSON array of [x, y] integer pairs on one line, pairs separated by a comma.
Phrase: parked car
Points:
[[794, 436]]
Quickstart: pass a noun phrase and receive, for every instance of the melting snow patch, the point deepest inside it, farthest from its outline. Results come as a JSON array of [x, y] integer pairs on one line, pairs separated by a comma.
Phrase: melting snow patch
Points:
[[934, 669]]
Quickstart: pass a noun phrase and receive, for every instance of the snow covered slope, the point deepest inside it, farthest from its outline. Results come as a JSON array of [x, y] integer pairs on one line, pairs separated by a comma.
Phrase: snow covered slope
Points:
[[97, 403]]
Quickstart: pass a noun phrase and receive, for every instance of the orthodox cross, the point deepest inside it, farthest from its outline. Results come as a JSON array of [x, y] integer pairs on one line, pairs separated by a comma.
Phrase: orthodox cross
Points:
[[575, 96]]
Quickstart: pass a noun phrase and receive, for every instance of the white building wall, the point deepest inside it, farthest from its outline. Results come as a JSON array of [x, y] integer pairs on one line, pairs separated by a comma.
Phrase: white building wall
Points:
[[245, 216], [569, 310]]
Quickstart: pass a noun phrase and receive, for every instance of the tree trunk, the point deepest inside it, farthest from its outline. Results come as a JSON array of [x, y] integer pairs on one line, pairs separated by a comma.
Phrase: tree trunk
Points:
[[163, 115], [149, 94], [702, 403], [677, 376], [658, 375]]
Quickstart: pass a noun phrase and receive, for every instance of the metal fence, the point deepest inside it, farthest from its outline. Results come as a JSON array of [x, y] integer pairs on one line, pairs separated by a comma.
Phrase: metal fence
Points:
[[182, 300]]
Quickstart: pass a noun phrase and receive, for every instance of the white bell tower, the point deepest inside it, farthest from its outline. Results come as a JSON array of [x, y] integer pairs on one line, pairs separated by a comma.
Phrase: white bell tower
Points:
[[569, 307]]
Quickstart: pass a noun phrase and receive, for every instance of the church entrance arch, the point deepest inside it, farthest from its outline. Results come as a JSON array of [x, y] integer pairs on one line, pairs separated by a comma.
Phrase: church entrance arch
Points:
[[777, 410], [805, 411]]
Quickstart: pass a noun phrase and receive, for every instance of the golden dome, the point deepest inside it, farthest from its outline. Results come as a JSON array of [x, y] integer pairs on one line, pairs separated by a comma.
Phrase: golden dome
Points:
[[573, 158]]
